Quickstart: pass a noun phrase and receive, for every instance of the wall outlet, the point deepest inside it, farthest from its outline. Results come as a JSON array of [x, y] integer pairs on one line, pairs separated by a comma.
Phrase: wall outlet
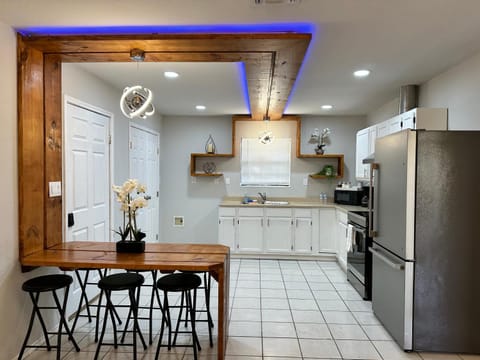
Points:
[[193, 179], [54, 188], [227, 181], [178, 221]]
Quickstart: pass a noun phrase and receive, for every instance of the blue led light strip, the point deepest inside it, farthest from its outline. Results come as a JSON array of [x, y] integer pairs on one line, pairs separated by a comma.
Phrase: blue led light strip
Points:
[[301, 28]]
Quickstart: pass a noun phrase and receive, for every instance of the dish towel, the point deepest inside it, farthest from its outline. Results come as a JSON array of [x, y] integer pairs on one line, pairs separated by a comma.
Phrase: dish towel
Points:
[[350, 238]]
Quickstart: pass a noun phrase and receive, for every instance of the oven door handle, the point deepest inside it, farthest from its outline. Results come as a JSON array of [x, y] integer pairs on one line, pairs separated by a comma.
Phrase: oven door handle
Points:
[[359, 230]]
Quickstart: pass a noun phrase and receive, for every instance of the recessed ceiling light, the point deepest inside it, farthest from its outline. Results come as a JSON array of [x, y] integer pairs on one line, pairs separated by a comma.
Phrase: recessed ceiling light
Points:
[[170, 74], [200, 107], [361, 73], [327, 107]]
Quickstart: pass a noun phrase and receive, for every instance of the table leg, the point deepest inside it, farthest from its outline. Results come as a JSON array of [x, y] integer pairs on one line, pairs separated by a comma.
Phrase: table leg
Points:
[[223, 307]]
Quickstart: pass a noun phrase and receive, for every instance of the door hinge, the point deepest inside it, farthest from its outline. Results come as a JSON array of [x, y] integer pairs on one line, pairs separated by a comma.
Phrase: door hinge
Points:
[[158, 193], [131, 145], [158, 151], [156, 236], [291, 247], [109, 139]]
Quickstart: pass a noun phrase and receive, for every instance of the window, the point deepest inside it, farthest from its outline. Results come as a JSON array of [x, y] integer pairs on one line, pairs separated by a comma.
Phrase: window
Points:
[[265, 164]]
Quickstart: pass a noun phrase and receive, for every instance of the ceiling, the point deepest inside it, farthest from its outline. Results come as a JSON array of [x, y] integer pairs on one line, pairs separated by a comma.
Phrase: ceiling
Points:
[[401, 42]]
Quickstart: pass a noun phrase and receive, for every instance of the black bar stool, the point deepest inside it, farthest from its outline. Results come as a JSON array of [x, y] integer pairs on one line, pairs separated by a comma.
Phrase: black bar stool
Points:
[[206, 286], [121, 282], [153, 295], [41, 284], [184, 283], [85, 302]]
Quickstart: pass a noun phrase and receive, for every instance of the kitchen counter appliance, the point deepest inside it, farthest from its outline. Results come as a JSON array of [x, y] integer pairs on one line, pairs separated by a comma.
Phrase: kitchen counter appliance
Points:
[[426, 239], [359, 259], [348, 196]]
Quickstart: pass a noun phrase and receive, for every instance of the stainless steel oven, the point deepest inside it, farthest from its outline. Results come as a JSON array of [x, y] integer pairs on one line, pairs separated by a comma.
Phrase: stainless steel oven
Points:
[[359, 259]]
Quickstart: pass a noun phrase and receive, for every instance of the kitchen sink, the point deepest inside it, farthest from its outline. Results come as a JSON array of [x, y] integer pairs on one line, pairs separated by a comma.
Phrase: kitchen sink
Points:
[[270, 202]]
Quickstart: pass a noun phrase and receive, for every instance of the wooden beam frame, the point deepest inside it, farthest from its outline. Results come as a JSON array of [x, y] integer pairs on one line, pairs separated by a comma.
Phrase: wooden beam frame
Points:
[[272, 62]]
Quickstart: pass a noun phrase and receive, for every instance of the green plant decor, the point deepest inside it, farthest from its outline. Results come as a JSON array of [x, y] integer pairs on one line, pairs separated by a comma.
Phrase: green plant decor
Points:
[[328, 171]]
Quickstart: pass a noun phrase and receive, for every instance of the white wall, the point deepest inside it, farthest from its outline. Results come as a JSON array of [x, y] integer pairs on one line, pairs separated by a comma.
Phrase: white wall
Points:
[[197, 198], [386, 111], [457, 89], [15, 304]]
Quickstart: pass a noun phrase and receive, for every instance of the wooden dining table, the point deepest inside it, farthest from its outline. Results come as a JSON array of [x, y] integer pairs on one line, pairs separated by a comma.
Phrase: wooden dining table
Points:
[[165, 257]]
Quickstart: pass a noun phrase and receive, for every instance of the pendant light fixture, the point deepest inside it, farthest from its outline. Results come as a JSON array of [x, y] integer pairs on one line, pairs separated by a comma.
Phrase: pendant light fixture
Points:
[[266, 137], [136, 101]]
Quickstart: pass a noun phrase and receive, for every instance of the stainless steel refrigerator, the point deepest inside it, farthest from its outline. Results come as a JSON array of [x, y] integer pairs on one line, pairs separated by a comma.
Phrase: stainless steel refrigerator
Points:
[[426, 239]]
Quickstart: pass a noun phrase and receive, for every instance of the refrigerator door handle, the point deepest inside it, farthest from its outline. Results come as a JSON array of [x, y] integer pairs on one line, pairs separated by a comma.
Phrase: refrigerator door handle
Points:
[[386, 260], [372, 201]]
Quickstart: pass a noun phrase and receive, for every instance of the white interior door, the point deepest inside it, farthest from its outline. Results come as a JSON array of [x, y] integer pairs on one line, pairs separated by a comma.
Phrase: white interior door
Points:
[[144, 166], [87, 171]]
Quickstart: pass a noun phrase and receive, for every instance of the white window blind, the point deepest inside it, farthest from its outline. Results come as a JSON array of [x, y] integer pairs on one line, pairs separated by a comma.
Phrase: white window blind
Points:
[[265, 164]]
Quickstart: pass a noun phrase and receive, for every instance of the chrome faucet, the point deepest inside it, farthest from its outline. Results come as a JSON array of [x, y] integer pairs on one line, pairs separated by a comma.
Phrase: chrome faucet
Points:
[[263, 197]]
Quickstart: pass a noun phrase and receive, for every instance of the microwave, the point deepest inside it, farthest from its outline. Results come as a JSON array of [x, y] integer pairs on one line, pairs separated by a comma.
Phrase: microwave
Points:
[[348, 196]]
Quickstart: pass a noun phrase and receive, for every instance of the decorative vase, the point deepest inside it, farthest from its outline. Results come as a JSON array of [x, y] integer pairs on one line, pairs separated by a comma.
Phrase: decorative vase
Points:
[[127, 246], [319, 150], [210, 147]]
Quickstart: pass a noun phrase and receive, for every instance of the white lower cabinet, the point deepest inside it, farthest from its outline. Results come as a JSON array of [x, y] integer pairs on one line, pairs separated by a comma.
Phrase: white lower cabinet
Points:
[[304, 230], [303, 235], [268, 230], [226, 226], [327, 232], [249, 234], [250, 230], [226, 231], [342, 238], [278, 231]]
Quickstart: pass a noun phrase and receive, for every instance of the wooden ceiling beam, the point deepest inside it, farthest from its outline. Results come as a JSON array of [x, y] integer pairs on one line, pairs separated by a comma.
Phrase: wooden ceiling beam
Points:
[[271, 61]]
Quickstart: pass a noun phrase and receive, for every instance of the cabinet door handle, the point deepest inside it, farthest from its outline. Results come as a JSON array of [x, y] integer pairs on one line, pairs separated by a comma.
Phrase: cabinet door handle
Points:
[[261, 222], [296, 223], [233, 221], [268, 222]]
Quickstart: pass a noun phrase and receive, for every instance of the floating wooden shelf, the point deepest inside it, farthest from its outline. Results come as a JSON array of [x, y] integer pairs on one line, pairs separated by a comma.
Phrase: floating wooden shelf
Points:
[[193, 163], [339, 168]]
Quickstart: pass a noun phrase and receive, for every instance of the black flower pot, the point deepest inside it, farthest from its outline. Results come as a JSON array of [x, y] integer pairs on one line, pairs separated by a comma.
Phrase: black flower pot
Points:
[[127, 246]]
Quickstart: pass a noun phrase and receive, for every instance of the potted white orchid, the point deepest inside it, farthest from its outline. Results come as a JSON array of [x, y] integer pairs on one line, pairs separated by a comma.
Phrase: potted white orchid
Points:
[[131, 196], [320, 139]]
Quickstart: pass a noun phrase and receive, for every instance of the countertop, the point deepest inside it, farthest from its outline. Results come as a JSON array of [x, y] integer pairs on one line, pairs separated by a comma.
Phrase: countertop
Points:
[[306, 202]]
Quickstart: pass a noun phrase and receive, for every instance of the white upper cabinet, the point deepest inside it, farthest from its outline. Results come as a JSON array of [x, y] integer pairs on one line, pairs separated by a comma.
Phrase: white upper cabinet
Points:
[[394, 124], [424, 119], [419, 118], [363, 143], [383, 128]]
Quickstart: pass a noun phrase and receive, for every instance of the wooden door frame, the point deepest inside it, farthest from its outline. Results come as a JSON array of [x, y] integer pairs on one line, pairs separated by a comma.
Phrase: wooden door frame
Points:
[[272, 62]]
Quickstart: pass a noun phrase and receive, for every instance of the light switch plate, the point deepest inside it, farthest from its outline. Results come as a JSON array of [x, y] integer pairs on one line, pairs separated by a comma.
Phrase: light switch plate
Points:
[[54, 188], [227, 181], [305, 181]]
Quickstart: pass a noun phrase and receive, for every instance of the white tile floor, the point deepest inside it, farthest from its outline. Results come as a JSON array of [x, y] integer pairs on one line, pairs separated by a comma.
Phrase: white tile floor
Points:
[[280, 309]]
